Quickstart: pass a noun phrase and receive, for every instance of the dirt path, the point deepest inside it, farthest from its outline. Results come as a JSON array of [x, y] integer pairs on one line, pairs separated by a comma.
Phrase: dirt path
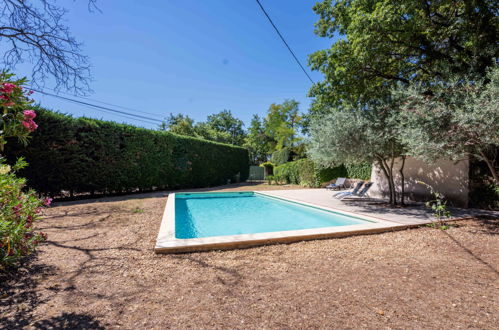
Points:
[[99, 270]]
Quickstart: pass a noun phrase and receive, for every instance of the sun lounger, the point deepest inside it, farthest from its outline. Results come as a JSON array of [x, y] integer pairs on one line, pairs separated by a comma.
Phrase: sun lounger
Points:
[[362, 193], [340, 183], [354, 191]]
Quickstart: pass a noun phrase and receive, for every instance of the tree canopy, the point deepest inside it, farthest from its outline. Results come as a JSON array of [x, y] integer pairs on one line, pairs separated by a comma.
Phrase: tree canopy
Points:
[[458, 118], [383, 42], [221, 127]]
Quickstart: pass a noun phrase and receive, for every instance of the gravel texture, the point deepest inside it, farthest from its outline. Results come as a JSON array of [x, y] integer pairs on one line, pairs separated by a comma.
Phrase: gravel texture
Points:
[[99, 270]]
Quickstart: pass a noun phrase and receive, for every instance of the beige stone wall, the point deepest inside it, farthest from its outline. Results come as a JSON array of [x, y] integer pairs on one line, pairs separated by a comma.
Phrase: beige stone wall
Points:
[[447, 177]]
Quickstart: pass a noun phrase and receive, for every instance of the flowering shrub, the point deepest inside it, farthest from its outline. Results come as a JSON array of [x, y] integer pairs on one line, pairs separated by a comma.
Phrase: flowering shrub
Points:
[[18, 211], [16, 119], [18, 208]]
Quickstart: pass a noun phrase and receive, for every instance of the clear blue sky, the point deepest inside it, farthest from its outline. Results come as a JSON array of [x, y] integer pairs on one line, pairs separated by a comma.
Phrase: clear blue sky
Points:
[[193, 57]]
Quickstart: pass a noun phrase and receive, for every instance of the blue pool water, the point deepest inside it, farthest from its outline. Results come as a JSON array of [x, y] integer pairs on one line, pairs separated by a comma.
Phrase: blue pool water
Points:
[[220, 214]]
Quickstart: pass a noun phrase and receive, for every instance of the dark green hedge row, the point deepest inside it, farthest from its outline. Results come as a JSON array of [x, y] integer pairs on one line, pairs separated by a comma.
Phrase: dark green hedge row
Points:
[[86, 155], [305, 173]]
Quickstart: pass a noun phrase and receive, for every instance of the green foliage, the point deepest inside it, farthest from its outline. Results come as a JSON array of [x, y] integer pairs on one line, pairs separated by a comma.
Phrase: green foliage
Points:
[[15, 120], [85, 155], [485, 196], [325, 174], [225, 122], [283, 123], [356, 135], [257, 142], [269, 179], [179, 124], [299, 172], [222, 127], [305, 173], [382, 42], [360, 171], [438, 205], [457, 118], [281, 156], [18, 210]]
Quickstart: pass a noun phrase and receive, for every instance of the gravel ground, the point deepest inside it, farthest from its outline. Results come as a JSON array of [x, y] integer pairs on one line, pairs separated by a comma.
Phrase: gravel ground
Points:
[[98, 270]]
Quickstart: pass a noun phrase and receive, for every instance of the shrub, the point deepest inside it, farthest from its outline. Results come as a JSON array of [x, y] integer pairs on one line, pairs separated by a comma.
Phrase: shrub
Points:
[[16, 119], [359, 171], [303, 172], [18, 211], [84, 155], [298, 172]]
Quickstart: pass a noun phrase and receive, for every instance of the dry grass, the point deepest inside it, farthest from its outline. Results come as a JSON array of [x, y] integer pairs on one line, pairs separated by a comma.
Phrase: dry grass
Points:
[[99, 270]]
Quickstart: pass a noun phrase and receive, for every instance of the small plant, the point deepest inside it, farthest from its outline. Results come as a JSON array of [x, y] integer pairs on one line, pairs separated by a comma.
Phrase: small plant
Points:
[[439, 207], [138, 210], [269, 179], [19, 209]]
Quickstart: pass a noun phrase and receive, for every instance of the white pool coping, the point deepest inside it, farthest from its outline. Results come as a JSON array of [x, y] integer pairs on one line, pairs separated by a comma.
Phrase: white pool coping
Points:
[[168, 243]]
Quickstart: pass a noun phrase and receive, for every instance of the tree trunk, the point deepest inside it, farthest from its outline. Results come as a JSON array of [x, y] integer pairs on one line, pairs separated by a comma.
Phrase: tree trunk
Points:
[[402, 181], [490, 165], [392, 181], [386, 171]]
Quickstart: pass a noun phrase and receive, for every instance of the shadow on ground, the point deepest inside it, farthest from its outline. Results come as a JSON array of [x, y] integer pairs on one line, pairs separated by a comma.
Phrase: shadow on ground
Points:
[[19, 297]]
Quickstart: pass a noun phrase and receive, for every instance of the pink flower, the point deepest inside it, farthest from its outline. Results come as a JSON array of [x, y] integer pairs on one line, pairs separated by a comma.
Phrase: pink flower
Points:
[[30, 92], [8, 88], [30, 125], [17, 208], [29, 114], [47, 201], [8, 104], [3, 97]]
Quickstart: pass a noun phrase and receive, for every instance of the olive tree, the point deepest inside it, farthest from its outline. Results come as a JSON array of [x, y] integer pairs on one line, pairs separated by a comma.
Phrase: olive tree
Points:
[[355, 135], [453, 119]]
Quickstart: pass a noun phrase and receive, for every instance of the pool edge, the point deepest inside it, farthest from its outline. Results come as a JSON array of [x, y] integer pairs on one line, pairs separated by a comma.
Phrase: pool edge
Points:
[[166, 241]]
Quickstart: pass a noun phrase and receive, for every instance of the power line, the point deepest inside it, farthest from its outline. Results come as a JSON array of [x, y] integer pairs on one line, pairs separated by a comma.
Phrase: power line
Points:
[[283, 40], [102, 102], [98, 107]]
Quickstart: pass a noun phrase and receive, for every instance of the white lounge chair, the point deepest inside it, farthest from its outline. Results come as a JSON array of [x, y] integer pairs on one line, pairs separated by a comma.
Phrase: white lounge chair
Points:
[[340, 183]]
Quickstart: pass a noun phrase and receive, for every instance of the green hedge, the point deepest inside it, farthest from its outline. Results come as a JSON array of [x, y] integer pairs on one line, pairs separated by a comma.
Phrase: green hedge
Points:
[[303, 172], [83, 155]]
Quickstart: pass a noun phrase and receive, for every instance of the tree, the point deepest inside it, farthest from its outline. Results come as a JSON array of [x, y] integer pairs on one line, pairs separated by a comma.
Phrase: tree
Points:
[[36, 32], [283, 123], [356, 135], [453, 119], [384, 42], [221, 127], [256, 141], [225, 122], [179, 124]]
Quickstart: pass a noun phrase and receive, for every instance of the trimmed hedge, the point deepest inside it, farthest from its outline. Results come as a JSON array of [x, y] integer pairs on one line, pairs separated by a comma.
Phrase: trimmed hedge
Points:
[[303, 172], [84, 155]]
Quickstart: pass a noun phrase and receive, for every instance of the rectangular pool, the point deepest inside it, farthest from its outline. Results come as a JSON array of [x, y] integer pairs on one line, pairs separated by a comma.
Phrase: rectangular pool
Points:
[[223, 220], [221, 214]]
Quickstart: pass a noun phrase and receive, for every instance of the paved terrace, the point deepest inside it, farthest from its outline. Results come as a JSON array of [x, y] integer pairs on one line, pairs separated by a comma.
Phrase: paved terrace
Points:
[[414, 214]]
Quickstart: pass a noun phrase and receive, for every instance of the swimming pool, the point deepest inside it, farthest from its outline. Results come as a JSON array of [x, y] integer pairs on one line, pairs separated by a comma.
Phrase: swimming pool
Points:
[[202, 221], [221, 214]]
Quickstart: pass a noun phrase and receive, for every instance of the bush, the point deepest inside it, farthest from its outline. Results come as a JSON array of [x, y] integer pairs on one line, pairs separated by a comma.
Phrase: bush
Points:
[[82, 155], [298, 172], [303, 172], [359, 171], [18, 211], [280, 157]]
